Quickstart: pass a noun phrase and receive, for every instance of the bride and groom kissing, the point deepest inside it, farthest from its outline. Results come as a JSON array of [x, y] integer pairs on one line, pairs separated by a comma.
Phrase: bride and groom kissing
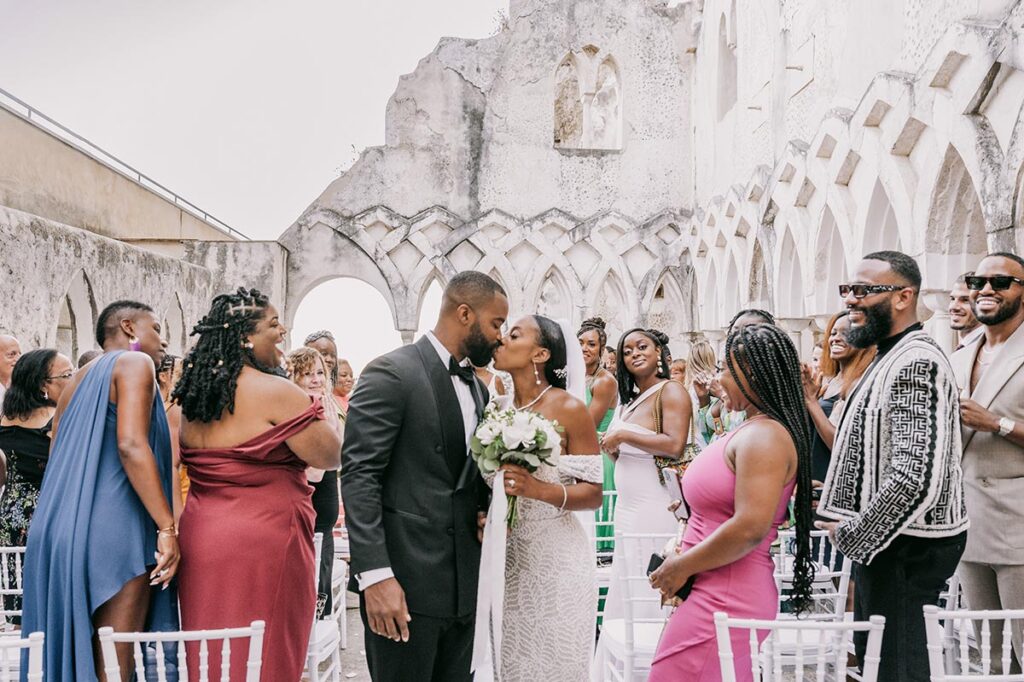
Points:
[[415, 503]]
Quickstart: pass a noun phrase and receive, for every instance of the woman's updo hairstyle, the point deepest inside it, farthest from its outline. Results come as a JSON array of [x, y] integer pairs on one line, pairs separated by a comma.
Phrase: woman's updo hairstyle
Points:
[[627, 384], [550, 337], [595, 324], [210, 377]]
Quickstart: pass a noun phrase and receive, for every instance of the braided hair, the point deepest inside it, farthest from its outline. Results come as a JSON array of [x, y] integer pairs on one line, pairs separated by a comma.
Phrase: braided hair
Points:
[[627, 384], [767, 358], [550, 337], [210, 377], [765, 316], [594, 324]]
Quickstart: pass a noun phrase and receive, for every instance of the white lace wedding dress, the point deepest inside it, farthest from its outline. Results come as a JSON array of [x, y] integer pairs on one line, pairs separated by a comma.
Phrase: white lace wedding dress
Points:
[[550, 605]]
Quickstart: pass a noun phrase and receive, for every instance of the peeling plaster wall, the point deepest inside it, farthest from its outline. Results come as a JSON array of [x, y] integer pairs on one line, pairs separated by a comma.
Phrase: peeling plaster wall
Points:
[[40, 257], [254, 264]]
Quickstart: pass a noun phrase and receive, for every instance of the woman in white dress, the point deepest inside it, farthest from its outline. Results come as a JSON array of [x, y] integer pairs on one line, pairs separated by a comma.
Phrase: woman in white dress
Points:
[[633, 439], [550, 595]]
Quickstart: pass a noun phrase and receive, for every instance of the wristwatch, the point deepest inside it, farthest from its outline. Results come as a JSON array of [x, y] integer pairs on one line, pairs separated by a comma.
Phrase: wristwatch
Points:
[[1006, 426]]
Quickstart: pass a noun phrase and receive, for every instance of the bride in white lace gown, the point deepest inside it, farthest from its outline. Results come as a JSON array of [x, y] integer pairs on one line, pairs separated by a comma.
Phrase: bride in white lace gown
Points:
[[550, 596]]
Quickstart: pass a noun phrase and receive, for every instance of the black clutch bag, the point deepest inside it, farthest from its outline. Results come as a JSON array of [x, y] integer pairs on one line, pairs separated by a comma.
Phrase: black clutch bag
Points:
[[656, 561]]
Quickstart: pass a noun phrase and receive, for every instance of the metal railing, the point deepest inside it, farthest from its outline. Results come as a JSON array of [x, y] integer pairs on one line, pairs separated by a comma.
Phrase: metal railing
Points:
[[40, 120]]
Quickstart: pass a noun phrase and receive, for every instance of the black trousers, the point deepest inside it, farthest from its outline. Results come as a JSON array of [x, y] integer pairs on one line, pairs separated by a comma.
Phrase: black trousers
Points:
[[325, 504], [908, 574], [438, 650]]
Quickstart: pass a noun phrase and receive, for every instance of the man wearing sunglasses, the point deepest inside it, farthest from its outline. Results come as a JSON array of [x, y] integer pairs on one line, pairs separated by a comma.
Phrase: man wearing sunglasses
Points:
[[894, 482], [989, 372]]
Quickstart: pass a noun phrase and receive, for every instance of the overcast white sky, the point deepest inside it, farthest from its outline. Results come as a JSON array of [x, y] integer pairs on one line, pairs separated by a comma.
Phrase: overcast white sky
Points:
[[247, 108]]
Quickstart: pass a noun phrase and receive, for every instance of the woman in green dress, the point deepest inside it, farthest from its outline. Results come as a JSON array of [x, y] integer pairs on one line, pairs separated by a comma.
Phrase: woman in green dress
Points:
[[602, 397]]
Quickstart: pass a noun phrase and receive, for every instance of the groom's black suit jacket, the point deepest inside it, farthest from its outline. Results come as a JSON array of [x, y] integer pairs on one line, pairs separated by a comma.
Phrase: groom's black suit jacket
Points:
[[410, 489]]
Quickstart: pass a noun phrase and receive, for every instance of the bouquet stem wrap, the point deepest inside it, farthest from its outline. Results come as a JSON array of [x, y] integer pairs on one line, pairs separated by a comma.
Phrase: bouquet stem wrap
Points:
[[490, 593]]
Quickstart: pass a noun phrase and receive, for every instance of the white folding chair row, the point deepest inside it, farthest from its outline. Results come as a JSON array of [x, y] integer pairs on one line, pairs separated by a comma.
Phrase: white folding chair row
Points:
[[831, 576], [819, 653], [12, 586], [11, 647], [966, 646], [628, 642], [323, 656], [172, 645]]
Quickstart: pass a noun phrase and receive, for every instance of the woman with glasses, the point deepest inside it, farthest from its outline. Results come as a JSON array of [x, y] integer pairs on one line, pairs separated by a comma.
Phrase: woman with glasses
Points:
[[37, 382]]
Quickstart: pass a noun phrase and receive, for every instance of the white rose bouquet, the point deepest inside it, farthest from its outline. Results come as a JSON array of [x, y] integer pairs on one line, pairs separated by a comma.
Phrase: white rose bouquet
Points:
[[515, 437]]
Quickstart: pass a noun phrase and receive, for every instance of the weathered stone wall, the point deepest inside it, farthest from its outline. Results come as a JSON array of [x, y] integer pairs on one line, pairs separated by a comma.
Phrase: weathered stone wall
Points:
[[472, 128], [44, 264]]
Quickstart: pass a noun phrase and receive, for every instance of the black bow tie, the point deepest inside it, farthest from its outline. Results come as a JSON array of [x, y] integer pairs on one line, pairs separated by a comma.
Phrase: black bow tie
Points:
[[464, 372]]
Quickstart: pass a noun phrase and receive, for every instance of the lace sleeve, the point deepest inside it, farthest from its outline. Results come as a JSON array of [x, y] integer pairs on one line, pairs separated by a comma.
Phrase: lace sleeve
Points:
[[586, 468]]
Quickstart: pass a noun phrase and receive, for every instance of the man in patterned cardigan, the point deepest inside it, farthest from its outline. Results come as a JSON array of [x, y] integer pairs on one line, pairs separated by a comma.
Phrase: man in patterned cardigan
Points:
[[894, 483]]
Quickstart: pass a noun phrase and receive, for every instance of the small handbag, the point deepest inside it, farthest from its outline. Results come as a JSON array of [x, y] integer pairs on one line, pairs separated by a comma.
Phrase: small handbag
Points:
[[682, 514], [690, 449]]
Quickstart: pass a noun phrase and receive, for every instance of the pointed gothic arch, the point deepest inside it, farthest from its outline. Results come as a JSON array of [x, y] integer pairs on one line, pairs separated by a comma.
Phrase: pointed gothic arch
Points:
[[76, 317]]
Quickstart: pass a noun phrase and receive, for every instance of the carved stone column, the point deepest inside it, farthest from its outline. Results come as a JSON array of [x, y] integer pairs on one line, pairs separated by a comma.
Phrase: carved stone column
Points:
[[408, 335], [799, 330], [936, 302]]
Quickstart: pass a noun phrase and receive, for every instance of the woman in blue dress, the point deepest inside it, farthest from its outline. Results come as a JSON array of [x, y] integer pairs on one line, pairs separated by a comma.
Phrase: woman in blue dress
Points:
[[102, 547]]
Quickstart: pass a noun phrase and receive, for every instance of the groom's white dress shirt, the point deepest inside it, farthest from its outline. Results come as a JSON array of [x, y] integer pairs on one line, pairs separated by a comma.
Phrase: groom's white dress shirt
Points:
[[469, 421]]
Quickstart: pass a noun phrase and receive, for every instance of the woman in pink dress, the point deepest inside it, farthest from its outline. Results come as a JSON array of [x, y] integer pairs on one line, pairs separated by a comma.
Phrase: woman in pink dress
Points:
[[247, 436], [738, 490]]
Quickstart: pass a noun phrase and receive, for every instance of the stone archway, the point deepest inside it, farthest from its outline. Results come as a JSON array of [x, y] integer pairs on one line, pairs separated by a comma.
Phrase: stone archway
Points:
[[76, 318]]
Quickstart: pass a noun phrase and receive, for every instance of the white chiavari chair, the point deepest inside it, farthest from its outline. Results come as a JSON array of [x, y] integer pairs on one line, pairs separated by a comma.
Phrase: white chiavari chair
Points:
[[831, 576], [970, 646], [11, 648], [323, 656], [820, 653], [605, 548], [169, 658], [628, 642], [12, 562]]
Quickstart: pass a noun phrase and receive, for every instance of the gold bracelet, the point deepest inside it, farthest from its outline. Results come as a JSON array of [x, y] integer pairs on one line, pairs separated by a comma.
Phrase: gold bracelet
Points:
[[170, 530]]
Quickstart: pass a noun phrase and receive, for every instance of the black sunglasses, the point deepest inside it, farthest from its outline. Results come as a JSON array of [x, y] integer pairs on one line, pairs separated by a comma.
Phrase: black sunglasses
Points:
[[997, 282], [862, 290]]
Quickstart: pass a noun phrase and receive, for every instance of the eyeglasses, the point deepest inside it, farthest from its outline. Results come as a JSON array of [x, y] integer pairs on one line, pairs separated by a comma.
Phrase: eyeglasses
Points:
[[65, 375], [863, 290], [997, 282]]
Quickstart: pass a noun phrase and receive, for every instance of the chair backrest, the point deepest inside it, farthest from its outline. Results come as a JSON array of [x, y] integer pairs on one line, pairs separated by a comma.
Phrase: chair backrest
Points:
[[11, 647], [168, 644], [831, 575], [640, 602], [801, 649], [12, 562], [604, 527], [953, 635]]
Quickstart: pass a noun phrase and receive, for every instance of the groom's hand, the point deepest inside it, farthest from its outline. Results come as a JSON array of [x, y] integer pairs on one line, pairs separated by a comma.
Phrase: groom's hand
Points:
[[386, 611], [481, 521]]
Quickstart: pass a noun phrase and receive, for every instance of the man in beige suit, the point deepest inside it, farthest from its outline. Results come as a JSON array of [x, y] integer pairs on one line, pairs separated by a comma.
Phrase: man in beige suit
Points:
[[990, 373]]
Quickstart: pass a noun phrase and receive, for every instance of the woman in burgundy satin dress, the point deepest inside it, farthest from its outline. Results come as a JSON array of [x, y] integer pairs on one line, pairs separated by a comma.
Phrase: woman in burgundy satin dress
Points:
[[247, 436]]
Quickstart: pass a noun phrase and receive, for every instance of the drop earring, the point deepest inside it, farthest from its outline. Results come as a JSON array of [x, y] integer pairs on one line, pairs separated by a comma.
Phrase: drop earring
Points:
[[536, 374], [247, 345]]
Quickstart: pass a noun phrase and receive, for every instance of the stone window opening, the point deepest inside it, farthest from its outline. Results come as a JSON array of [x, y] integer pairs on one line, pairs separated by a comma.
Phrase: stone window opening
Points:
[[588, 102]]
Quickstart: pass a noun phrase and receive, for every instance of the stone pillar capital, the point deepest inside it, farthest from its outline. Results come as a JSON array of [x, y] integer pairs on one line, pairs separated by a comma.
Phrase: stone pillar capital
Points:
[[794, 325], [408, 335]]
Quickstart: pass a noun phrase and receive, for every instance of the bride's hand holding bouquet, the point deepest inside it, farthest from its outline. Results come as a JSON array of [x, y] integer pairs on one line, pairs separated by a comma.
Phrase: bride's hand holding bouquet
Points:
[[517, 443]]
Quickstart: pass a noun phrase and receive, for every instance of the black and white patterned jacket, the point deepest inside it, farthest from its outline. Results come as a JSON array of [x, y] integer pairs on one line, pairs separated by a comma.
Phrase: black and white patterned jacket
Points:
[[895, 465]]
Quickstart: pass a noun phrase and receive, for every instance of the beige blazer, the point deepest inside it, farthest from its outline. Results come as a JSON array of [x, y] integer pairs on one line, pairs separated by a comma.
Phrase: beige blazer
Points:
[[993, 466]]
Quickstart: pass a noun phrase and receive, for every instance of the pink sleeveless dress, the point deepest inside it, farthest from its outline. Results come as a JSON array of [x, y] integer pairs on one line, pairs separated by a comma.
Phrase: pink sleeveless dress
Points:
[[743, 589], [246, 538]]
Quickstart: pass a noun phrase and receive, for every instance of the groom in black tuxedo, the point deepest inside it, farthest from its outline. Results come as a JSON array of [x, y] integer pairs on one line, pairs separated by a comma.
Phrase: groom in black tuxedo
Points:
[[414, 499]]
